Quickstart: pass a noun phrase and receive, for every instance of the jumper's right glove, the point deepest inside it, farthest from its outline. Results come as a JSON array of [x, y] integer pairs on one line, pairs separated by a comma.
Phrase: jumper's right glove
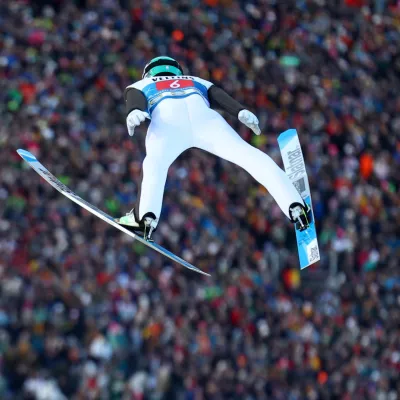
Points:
[[134, 119], [250, 120]]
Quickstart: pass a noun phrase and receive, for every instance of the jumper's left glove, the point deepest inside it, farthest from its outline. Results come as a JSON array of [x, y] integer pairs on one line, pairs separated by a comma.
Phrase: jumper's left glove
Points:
[[250, 120], [134, 119]]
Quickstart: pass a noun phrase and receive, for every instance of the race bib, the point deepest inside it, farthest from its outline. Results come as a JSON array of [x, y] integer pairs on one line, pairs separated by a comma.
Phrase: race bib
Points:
[[174, 84]]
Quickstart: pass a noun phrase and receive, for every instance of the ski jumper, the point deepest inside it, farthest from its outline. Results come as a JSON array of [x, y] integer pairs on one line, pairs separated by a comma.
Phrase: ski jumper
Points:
[[181, 118]]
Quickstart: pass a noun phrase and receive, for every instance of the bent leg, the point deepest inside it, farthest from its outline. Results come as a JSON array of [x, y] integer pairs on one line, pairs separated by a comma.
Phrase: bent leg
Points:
[[220, 139]]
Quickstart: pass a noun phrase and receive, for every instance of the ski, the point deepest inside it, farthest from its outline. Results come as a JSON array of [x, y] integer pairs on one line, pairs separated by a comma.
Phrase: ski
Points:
[[53, 181], [295, 168]]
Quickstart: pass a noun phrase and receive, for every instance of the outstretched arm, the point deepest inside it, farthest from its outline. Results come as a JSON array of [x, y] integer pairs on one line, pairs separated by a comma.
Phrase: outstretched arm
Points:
[[134, 100], [220, 99], [136, 108]]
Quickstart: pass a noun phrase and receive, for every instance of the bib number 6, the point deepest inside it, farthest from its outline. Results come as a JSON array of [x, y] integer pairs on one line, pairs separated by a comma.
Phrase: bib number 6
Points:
[[175, 85]]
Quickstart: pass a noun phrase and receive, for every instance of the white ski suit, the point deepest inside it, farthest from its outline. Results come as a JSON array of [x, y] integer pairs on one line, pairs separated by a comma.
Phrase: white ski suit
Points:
[[181, 118]]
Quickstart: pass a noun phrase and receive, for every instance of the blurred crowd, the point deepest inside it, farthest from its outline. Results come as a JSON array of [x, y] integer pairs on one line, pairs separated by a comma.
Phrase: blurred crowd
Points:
[[86, 313]]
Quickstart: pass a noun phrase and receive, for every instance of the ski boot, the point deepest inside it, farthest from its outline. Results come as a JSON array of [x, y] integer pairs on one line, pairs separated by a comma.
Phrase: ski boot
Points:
[[145, 227], [300, 215]]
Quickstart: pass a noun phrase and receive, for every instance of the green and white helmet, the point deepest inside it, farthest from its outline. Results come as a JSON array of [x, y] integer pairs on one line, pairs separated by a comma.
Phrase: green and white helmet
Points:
[[162, 66]]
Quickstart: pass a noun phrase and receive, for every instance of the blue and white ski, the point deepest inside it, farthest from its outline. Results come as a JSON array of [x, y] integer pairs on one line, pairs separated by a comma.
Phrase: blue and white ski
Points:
[[53, 181], [295, 168]]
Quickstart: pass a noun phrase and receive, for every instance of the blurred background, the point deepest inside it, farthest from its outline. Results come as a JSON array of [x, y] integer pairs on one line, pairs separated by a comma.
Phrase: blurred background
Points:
[[86, 313]]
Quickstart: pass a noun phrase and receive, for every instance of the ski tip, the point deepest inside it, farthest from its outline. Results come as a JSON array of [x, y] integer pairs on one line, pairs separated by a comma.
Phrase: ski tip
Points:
[[26, 155], [287, 134], [290, 132], [285, 137]]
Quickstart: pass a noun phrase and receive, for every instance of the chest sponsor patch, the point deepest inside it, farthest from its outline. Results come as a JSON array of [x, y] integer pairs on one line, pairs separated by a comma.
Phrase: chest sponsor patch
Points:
[[174, 84]]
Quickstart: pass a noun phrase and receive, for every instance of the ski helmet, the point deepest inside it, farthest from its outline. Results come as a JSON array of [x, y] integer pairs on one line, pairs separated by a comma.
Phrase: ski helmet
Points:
[[163, 66]]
